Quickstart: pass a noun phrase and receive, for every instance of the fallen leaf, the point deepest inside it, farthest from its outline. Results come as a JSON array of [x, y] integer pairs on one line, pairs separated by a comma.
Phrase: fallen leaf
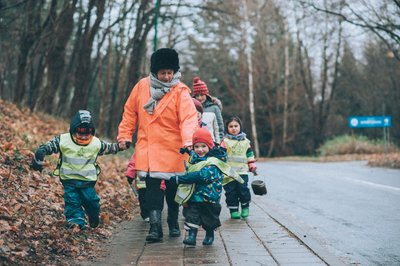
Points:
[[7, 146], [105, 217]]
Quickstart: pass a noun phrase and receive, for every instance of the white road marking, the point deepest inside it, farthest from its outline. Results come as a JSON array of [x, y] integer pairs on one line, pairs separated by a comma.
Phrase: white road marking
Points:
[[384, 187]]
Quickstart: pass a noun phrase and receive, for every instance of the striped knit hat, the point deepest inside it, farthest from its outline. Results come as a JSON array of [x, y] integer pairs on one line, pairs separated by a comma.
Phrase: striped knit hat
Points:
[[199, 87]]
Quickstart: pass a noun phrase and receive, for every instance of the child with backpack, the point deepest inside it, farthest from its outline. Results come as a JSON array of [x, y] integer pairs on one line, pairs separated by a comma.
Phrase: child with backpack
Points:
[[77, 168], [240, 157]]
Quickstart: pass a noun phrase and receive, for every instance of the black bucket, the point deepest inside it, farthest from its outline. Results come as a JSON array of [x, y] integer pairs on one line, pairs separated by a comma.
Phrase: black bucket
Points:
[[259, 187]]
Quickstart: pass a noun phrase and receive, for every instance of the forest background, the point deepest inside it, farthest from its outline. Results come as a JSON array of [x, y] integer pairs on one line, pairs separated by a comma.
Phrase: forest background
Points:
[[294, 71]]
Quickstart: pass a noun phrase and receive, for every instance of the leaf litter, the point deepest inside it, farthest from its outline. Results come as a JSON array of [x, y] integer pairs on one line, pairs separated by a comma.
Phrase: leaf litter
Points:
[[31, 203]]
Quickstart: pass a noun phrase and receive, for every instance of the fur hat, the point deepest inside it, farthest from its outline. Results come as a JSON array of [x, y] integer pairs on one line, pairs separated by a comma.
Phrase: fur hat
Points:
[[164, 58], [198, 105], [199, 87], [204, 136], [82, 122]]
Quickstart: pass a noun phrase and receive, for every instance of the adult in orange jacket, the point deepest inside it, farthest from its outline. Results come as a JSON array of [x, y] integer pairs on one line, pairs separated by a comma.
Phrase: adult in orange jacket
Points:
[[161, 109]]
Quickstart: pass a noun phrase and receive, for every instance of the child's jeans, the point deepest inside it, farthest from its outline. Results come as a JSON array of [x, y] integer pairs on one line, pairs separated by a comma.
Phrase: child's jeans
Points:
[[81, 197], [236, 193]]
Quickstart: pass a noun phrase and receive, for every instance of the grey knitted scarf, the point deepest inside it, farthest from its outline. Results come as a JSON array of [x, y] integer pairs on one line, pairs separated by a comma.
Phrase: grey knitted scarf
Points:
[[158, 89], [240, 136]]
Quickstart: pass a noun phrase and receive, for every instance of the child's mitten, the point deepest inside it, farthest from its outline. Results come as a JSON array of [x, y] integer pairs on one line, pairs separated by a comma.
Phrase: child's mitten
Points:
[[252, 167]]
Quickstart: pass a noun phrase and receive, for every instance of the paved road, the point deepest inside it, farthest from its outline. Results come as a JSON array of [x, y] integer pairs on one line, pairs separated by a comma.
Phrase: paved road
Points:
[[351, 209], [259, 240]]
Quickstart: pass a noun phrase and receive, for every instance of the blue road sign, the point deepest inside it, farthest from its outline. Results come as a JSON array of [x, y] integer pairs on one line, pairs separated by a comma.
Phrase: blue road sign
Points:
[[370, 121]]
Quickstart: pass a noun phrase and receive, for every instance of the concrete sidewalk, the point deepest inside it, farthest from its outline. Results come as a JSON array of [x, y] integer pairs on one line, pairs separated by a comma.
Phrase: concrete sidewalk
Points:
[[264, 238]]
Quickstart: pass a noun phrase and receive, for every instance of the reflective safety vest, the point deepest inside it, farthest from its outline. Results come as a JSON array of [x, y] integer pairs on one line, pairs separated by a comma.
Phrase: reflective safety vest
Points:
[[139, 184], [185, 191], [236, 155], [78, 162]]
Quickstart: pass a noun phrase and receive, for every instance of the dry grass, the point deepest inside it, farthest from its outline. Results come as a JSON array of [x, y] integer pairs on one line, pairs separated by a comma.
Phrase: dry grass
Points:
[[346, 144]]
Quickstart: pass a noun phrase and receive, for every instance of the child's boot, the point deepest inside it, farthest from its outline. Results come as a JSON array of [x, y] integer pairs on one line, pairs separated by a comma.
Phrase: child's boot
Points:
[[209, 239], [94, 221], [235, 215], [191, 239], [245, 212]]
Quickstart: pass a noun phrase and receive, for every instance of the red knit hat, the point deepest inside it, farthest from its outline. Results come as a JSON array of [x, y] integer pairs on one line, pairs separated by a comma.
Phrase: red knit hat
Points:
[[198, 105], [204, 136], [199, 87]]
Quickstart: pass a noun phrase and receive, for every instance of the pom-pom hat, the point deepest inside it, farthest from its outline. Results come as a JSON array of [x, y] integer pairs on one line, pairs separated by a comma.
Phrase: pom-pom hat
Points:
[[164, 58], [199, 87], [204, 136]]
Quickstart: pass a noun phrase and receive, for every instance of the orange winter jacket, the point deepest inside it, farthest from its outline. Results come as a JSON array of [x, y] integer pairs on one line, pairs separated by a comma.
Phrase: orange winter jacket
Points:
[[162, 134]]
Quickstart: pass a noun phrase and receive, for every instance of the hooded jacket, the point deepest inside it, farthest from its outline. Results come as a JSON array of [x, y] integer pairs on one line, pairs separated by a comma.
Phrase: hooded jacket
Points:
[[161, 134], [215, 107]]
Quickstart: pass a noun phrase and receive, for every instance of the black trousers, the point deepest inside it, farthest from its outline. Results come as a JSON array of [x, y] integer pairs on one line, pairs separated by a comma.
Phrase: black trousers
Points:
[[144, 211], [236, 193], [203, 214], [155, 196]]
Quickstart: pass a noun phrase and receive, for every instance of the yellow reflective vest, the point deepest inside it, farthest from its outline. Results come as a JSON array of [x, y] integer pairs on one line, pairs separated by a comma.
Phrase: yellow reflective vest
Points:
[[236, 155], [139, 184], [78, 162], [185, 191]]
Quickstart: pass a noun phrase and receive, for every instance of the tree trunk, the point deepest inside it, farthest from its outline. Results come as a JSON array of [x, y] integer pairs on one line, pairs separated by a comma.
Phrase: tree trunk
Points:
[[27, 41], [144, 23], [250, 79], [83, 71], [285, 90], [59, 35]]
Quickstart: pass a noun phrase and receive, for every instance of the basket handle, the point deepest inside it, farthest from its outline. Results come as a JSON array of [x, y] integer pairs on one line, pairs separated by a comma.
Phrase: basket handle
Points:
[[256, 174]]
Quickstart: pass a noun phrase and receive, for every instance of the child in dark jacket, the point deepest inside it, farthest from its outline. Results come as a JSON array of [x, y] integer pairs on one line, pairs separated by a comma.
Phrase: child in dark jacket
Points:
[[206, 172], [77, 168]]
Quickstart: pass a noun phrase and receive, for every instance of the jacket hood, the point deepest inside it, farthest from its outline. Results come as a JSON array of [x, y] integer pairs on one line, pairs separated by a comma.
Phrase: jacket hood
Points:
[[212, 101], [82, 118]]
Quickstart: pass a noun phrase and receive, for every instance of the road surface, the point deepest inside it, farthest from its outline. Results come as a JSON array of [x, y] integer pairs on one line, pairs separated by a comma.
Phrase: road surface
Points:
[[350, 208]]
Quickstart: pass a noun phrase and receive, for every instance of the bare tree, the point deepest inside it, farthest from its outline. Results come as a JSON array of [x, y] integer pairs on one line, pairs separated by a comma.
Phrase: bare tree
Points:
[[285, 89], [56, 38], [246, 27], [29, 37], [319, 92], [380, 17], [84, 62]]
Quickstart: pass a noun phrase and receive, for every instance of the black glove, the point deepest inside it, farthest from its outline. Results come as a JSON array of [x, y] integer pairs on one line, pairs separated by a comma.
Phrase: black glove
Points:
[[36, 165], [128, 144], [130, 180], [184, 150]]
